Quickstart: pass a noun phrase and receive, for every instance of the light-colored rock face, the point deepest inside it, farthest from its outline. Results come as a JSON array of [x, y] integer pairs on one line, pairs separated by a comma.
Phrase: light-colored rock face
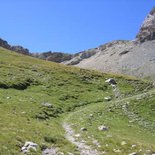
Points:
[[147, 31], [136, 58], [127, 58]]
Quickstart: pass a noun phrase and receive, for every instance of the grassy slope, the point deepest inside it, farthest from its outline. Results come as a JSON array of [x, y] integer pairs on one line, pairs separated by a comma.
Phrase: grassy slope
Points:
[[130, 119], [26, 83]]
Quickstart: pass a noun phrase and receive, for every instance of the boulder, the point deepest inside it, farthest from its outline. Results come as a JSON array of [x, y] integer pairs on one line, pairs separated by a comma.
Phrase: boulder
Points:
[[28, 146], [111, 81]]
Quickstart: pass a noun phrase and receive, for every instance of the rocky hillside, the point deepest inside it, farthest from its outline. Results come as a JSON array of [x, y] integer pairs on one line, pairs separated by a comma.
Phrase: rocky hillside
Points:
[[18, 49], [54, 56], [49, 56], [136, 57]]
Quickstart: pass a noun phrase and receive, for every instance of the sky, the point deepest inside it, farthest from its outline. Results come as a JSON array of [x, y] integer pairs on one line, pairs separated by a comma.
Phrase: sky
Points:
[[70, 25]]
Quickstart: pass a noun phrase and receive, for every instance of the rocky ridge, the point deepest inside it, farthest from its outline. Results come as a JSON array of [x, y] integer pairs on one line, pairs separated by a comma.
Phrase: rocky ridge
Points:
[[135, 57], [147, 30], [49, 56], [18, 49]]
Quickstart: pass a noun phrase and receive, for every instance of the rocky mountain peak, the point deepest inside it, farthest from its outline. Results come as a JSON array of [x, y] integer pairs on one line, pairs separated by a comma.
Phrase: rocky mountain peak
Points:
[[147, 30]]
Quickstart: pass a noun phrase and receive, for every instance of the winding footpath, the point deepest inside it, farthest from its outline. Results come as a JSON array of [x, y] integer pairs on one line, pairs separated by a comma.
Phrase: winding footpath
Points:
[[83, 148]]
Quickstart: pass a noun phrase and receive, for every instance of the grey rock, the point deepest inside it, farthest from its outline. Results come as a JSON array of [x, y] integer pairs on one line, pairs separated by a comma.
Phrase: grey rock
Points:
[[29, 145], [50, 151], [117, 150], [108, 98], [123, 143], [83, 129], [111, 81], [133, 153], [46, 104], [147, 30], [103, 128]]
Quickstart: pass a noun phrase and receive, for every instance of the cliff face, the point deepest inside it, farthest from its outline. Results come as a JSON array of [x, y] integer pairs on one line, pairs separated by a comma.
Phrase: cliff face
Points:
[[147, 30]]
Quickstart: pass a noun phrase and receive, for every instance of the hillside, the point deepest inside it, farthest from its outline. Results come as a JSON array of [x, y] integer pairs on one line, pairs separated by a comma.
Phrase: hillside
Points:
[[135, 57], [48, 104]]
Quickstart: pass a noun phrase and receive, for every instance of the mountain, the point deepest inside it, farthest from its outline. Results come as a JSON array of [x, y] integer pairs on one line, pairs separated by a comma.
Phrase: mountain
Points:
[[18, 49], [53, 56], [50, 108], [135, 57]]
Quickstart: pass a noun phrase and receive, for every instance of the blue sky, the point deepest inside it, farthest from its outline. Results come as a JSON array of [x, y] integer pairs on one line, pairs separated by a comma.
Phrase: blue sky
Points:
[[70, 25]]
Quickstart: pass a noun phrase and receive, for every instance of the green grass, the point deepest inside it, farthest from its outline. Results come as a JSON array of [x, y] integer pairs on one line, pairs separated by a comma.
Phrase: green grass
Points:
[[26, 83]]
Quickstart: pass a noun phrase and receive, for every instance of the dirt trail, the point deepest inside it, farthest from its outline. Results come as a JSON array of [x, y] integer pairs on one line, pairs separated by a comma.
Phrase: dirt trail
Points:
[[83, 148]]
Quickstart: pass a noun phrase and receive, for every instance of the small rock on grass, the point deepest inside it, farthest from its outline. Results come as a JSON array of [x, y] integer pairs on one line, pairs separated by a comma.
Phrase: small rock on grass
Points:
[[108, 98], [103, 128], [123, 143], [28, 146], [117, 150], [46, 104], [91, 115], [77, 135], [83, 129], [133, 146], [133, 153]]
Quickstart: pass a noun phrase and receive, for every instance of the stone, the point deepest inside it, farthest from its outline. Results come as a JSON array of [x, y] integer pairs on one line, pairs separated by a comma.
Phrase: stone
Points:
[[111, 81], [117, 150], [107, 145], [123, 143], [28, 146], [46, 104], [50, 151], [103, 128], [83, 129], [91, 115], [133, 153], [108, 98], [77, 135], [133, 146]]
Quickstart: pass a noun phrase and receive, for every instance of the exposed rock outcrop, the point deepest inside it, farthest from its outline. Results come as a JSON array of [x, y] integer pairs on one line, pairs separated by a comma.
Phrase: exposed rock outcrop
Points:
[[4, 44], [54, 56], [18, 49], [147, 30]]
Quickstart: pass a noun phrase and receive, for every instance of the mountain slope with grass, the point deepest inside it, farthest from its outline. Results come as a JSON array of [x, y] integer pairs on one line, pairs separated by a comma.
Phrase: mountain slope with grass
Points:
[[38, 97]]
